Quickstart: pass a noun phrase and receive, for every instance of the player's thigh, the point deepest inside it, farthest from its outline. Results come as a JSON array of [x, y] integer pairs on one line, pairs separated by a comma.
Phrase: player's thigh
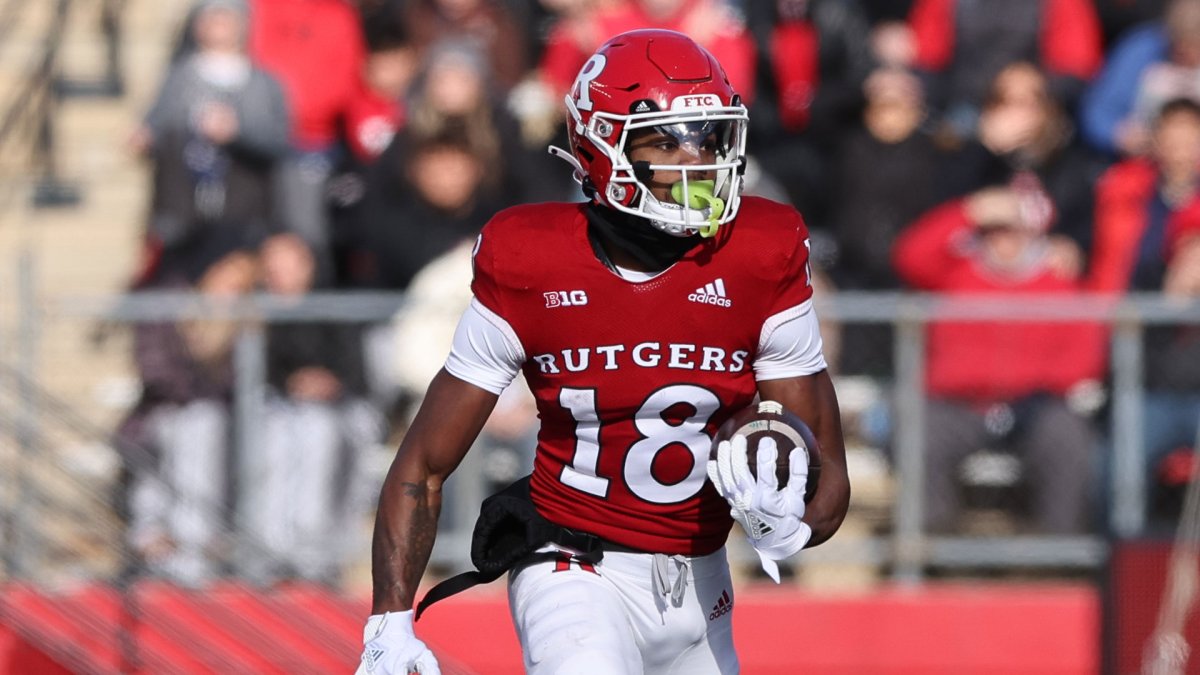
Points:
[[570, 621], [687, 635], [712, 590]]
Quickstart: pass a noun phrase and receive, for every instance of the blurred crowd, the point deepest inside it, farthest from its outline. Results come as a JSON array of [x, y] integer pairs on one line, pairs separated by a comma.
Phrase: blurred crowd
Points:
[[953, 146]]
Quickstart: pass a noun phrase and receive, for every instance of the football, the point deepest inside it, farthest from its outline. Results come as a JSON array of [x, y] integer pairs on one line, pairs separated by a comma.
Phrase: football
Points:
[[769, 418]]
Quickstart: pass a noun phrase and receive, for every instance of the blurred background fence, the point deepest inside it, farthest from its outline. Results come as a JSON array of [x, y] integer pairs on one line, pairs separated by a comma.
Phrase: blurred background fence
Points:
[[62, 486]]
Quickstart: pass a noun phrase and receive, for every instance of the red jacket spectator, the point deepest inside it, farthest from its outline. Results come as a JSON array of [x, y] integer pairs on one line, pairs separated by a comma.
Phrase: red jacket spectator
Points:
[[316, 49], [990, 361], [819, 54], [1069, 43], [796, 68], [1184, 227], [1122, 197], [1122, 215], [372, 121], [962, 45], [707, 22]]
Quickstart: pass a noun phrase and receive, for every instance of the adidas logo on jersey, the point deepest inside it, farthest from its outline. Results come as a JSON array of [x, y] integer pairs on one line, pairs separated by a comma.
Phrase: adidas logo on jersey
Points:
[[712, 293], [724, 606]]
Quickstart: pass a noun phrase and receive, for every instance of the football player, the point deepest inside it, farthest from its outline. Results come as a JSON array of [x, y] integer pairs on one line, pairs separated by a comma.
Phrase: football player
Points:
[[641, 321]]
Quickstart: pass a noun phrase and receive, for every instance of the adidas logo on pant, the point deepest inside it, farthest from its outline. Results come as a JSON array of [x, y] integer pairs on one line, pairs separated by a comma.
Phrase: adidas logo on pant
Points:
[[712, 293], [724, 606]]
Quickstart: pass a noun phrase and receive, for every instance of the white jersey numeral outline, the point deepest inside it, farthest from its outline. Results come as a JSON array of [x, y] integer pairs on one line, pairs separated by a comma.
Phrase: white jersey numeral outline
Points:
[[657, 434]]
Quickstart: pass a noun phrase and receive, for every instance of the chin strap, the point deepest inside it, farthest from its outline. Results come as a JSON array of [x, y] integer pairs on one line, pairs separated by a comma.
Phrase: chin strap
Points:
[[664, 216], [579, 174]]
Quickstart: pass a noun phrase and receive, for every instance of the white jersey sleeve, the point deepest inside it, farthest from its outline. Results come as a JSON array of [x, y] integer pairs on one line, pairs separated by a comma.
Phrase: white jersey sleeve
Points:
[[486, 351], [790, 344]]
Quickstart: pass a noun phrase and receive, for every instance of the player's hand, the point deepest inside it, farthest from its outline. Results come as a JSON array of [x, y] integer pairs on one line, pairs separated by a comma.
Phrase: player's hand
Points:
[[391, 648], [769, 515]]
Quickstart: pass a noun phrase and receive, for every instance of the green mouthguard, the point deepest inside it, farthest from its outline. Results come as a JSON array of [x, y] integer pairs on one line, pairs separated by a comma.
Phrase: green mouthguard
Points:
[[699, 196]]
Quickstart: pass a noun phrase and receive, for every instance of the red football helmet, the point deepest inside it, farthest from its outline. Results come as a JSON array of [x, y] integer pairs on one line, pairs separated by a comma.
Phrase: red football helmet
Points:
[[663, 80]]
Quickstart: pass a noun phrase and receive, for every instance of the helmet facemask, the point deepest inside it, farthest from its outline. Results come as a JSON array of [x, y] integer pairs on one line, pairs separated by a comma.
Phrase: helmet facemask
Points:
[[707, 191]]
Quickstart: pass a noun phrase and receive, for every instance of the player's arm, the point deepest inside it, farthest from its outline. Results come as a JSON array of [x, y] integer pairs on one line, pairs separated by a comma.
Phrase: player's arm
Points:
[[483, 361], [813, 398], [449, 419], [790, 369]]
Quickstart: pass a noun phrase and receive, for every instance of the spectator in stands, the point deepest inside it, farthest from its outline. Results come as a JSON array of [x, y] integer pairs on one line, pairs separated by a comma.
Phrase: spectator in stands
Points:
[[372, 119], [453, 96], [1003, 383], [1023, 130], [535, 103], [818, 57], [1172, 413], [175, 441], [1147, 214], [1139, 200], [214, 135], [815, 59], [1119, 16], [316, 48], [962, 45], [886, 174], [418, 207], [295, 495], [1152, 63], [379, 110], [491, 26]]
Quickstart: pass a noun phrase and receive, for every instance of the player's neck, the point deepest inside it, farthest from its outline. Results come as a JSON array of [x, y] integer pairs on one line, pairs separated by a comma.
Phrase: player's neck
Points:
[[615, 256], [632, 243]]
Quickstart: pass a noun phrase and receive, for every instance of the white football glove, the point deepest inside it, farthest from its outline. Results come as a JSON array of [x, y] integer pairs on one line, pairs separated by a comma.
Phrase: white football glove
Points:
[[391, 648], [769, 515]]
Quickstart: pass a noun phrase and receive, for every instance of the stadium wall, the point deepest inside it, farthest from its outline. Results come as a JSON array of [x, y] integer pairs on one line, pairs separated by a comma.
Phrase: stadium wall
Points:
[[991, 629]]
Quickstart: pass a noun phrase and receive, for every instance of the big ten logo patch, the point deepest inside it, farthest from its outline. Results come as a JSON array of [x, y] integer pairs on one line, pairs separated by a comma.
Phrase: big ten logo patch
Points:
[[565, 298]]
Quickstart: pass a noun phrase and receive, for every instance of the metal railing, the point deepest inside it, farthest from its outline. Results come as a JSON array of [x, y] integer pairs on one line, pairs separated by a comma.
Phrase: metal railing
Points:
[[906, 549]]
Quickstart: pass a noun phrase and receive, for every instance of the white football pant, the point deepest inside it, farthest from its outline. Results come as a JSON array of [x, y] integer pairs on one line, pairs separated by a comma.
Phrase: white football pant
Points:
[[631, 613]]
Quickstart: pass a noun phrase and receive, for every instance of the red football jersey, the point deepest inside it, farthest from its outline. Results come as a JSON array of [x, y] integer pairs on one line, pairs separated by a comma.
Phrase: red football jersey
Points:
[[633, 378]]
